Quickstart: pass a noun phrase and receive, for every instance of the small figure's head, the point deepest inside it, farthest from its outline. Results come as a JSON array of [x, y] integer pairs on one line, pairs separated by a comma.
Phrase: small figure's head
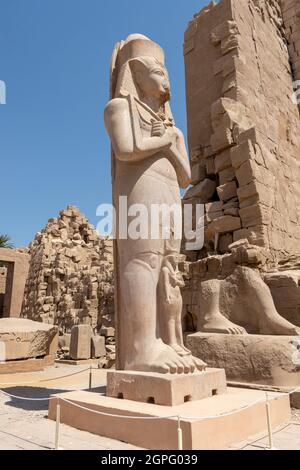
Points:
[[151, 78], [171, 261]]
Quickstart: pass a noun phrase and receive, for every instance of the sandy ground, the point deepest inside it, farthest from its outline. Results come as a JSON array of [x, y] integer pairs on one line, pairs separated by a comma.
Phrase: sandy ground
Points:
[[24, 424]]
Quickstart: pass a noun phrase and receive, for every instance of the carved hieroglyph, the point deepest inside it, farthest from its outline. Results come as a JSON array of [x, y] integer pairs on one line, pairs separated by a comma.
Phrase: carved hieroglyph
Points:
[[149, 165]]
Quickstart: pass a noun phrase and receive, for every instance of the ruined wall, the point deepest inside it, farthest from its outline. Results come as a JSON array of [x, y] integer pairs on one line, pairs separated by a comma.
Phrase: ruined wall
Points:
[[243, 128], [70, 279], [291, 18]]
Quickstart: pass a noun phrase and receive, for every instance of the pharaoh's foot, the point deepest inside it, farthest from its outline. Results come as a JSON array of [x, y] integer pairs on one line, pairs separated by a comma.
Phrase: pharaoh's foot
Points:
[[198, 363], [181, 350], [219, 324], [277, 325], [184, 349], [164, 360]]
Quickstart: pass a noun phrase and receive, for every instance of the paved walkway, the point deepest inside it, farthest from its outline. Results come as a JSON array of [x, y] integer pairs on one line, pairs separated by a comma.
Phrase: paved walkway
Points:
[[24, 424], [285, 438]]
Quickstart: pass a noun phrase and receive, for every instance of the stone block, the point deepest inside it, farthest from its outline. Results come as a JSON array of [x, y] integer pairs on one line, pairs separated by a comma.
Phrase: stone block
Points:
[[247, 420], [26, 339], [227, 191], [107, 331], [98, 347], [255, 215], [225, 224], [266, 360], [203, 190], [80, 346], [245, 174], [198, 173], [241, 153], [221, 140], [214, 207], [165, 389], [223, 161], [225, 176]]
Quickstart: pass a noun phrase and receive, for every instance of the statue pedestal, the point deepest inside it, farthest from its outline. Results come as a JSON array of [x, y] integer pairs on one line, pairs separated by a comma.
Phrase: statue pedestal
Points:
[[165, 389], [212, 423], [251, 359]]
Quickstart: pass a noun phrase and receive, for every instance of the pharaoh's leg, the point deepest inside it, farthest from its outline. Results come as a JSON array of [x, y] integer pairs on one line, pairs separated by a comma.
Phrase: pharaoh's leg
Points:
[[269, 321], [210, 319], [140, 346]]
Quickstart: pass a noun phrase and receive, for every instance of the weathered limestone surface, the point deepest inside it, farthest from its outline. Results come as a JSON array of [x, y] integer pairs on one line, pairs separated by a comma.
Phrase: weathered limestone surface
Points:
[[256, 359], [150, 164], [243, 127], [70, 278], [166, 389], [25, 339], [235, 287], [81, 342], [248, 420], [291, 17], [284, 284]]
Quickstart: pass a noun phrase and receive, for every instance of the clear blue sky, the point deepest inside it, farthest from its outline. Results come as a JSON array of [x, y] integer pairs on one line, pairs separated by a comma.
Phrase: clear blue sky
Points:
[[55, 58]]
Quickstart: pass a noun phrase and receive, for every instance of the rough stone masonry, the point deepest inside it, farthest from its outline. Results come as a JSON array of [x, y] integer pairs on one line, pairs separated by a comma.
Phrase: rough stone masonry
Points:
[[243, 127], [242, 60], [70, 279]]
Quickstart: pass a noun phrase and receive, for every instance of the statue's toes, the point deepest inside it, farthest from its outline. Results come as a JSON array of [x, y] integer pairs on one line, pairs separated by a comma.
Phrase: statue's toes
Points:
[[180, 367], [173, 367], [200, 365], [186, 366]]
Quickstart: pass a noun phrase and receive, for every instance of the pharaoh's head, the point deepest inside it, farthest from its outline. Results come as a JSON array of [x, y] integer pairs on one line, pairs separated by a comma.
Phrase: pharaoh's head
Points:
[[138, 70], [151, 78]]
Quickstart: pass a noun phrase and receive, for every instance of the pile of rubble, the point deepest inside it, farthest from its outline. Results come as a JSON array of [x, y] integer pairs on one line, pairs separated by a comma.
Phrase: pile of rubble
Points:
[[70, 279]]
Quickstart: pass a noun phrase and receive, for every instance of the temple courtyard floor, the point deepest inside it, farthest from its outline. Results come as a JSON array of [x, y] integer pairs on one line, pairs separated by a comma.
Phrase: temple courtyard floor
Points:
[[24, 424]]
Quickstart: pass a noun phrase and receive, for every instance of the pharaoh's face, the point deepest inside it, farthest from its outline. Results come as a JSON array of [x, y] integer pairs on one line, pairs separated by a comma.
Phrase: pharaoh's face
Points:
[[154, 81]]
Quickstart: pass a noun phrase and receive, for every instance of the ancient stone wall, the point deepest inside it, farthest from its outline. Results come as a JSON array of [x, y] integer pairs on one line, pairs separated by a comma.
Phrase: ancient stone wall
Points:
[[291, 18], [3, 274], [282, 279], [70, 279], [243, 127], [16, 264]]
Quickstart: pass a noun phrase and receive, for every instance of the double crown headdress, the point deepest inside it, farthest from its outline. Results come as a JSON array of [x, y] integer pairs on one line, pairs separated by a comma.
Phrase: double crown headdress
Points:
[[122, 82]]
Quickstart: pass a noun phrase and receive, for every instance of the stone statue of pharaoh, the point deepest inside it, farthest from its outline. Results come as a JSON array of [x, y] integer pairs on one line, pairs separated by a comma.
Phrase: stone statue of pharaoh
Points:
[[149, 166]]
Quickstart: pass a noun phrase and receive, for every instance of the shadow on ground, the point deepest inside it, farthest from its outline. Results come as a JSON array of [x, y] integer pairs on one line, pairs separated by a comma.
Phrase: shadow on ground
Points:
[[33, 394]]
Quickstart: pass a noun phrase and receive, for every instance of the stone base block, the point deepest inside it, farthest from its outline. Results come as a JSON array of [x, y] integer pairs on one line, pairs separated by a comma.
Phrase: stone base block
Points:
[[79, 362], [26, 365], [166, 390], [211, 430], [258, 359]]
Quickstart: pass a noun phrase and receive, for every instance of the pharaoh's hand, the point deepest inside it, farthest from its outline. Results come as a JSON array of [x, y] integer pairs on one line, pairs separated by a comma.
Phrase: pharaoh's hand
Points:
[[158, 129], [173, 136]]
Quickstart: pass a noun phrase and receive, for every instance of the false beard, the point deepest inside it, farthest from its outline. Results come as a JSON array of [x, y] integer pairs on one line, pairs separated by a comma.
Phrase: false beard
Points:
[[165, 97]]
